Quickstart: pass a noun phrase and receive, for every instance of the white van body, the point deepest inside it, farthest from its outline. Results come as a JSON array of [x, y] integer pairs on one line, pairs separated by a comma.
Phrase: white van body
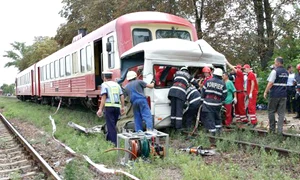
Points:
[[174, 52]]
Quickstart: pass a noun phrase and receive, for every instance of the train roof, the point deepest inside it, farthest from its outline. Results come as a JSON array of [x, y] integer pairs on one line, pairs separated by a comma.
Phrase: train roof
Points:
[[119, 24], [172, 50]]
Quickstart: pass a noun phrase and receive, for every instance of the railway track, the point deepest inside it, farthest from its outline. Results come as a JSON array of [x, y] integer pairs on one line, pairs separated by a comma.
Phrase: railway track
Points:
[[18, 158], [245, 144], [262, 132]]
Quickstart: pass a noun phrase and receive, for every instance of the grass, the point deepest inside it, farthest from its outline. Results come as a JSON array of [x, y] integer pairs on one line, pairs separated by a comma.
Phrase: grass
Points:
[[229, 163]]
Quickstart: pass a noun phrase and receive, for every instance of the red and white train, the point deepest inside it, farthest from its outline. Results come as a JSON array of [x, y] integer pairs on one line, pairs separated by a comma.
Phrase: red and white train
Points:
[[74, 72]]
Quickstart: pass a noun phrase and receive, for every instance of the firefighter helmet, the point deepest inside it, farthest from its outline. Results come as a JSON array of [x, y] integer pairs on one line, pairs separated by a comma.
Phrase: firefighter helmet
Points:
[[184, 68], [206, 69], [131, 75], [218, 72]]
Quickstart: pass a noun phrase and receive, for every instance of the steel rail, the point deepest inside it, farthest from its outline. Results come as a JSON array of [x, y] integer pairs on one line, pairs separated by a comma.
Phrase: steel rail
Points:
[[263, 132], [40, 161], [244, 144]]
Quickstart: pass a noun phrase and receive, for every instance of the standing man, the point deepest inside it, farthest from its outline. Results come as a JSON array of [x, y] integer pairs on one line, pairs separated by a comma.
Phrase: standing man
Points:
[[112, 99], [214, 92], [193, 98], [278, 90], [177, 95], [141, 111], [231, 97], [297, 95], [252, 91], [291, 91], [240, 111]]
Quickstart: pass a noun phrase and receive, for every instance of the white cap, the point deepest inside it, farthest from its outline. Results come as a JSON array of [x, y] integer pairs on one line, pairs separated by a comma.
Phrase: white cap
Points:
[[107, 73]]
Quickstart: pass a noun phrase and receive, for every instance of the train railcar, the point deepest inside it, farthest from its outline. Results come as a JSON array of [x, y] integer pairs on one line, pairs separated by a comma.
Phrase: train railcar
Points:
[[25, 83], [74, 72]]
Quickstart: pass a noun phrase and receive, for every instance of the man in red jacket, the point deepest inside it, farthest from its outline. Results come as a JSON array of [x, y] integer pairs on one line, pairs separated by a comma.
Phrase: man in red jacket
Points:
[[252, 91], [240, 112]]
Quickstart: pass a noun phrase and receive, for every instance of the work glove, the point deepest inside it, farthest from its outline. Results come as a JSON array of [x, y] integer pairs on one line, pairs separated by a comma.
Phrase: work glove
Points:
[[234, 100], [250, 96]]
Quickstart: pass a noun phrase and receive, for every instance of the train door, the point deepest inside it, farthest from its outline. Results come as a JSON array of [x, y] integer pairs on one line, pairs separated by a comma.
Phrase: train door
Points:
[[38, 82], [158, 96], [32, 82], [98, 61]]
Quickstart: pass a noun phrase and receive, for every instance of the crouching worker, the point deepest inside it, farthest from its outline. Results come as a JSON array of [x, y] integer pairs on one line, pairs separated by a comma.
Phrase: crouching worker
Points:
[[141, 111], [112, 99], [213, 94], [193, 97]]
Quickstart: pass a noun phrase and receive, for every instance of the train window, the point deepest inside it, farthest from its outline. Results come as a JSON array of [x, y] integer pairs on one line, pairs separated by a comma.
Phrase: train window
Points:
[[42, 73], [75, 62], [141, 35], [56, 65], [48, 71], [165, 33], [68, 66], [88, 58], [45, 73], [111, 54], [52, 71], [62, 67], [82, 60]]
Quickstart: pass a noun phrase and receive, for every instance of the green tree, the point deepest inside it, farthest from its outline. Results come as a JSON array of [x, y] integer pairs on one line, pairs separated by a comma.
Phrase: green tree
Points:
[[17, 55], [23, 56], [8, 88]]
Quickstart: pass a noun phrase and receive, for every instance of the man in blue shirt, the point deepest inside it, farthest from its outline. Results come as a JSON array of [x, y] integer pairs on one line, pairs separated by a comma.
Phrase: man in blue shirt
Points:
[[112, 99], [277, 101], [141, 111]]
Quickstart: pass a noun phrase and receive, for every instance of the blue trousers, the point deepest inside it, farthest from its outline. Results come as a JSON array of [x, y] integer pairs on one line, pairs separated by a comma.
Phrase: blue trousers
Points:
[[191, 114], [211, 121], [111, 118], [141, 111], [176, 112]]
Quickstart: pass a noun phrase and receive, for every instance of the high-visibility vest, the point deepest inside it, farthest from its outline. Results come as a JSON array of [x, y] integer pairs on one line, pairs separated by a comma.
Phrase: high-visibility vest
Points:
[[113, 93]]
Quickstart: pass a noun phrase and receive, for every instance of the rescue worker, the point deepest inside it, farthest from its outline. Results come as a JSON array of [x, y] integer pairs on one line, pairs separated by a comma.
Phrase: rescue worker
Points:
[[193, 98], [112, 99], [141, 111], [252, 92], [177, 95], [214, 92], [297, 95], [231, 97], [207, 75], [277, 83], [240, 111]]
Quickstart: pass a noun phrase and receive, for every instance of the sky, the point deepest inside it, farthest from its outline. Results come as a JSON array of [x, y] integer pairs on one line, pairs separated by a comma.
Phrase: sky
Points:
[[21, 21]]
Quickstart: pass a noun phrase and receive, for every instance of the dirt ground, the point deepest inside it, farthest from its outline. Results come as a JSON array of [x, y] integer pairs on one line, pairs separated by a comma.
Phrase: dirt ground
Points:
[[293, 124]]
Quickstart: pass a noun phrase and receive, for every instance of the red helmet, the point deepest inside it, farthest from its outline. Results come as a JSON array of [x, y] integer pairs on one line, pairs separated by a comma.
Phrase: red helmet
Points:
[[298, 66], [206, 69]]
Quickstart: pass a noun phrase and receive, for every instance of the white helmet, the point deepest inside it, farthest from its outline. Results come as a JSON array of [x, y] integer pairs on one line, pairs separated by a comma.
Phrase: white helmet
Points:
[[131, 75], [218, 72], [184, 68]]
